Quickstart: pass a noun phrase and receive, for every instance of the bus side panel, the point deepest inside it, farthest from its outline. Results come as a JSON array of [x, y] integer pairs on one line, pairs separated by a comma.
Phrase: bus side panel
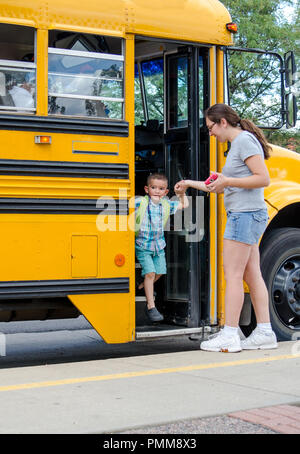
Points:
[[59, 255], [111, 315], [68, 147], [47, 247]]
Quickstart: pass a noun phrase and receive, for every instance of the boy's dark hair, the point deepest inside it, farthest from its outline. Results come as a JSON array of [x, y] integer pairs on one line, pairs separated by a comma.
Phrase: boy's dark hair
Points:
[[156, 176]]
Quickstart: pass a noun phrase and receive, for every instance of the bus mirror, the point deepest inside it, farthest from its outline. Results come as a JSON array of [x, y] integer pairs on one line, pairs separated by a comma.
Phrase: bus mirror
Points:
[[291, 110], [290, 69], [257, 75]]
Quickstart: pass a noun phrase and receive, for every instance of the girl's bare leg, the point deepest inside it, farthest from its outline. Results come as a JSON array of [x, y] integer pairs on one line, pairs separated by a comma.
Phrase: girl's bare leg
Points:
[[235, 258], [257, 287]]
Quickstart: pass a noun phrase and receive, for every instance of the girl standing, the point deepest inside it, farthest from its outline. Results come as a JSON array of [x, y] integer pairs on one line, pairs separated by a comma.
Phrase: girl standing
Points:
[[242, 180]]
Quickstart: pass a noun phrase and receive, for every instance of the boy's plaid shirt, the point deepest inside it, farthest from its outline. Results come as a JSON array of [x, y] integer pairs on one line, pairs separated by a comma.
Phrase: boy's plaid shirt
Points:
[[151, 235]]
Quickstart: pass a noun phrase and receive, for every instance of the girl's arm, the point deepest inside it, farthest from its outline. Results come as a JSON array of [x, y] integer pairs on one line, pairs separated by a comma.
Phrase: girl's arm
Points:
[[259, 178], [183, 185]]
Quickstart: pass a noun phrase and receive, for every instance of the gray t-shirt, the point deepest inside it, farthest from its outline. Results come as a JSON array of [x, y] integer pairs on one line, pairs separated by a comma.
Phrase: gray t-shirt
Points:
[[240, 199]]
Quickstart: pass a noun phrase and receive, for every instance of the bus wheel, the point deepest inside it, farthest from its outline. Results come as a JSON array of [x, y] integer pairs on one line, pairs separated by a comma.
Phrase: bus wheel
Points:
[[280, 265]]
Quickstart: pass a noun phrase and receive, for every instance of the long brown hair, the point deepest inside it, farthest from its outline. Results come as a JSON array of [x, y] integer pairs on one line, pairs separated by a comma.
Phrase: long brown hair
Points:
[[218, 111]]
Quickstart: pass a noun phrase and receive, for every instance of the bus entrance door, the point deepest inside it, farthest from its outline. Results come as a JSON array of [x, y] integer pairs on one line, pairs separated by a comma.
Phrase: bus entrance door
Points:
[[181, 138]]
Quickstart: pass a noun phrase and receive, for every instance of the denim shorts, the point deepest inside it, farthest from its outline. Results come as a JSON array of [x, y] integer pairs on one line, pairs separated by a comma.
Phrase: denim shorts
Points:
[[151, 262], [246, 226]]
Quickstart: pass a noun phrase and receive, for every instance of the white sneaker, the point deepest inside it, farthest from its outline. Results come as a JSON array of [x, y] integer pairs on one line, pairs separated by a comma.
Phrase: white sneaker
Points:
[[259, 339], [222, 343]]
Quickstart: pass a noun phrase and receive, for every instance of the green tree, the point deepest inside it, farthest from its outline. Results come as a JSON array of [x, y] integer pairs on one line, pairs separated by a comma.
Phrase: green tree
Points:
[[262, 24]]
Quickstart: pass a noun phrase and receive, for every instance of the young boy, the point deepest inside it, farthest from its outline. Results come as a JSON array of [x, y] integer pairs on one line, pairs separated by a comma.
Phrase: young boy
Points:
[[152, 212]]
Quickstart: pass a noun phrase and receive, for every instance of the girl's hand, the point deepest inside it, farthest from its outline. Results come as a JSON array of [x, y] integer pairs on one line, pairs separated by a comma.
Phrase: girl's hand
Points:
[[218, 185], [180, 187]]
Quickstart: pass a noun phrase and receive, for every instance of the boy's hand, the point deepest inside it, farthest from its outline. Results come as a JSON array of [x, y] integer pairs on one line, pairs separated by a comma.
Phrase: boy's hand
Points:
[[179, 190], [180, 187]]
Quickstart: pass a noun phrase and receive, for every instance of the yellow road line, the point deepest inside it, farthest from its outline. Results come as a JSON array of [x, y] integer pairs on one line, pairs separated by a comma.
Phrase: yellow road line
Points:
[[169, 370]]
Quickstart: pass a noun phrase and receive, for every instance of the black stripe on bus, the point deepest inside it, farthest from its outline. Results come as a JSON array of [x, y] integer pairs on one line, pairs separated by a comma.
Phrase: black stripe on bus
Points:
[[64, 206], [64, 125], [63, 169], [105, 153], [61, 288]]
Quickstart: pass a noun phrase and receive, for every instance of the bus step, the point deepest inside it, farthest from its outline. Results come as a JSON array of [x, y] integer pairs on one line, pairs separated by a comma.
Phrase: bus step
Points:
[[140, 299], [144, 335]]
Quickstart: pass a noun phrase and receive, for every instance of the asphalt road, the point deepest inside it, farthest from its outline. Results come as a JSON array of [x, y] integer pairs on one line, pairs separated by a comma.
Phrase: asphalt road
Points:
[[55, 341], [59, 377]]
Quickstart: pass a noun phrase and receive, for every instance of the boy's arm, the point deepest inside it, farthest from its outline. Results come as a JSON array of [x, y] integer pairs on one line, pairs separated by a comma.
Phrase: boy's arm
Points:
[[183, 200]]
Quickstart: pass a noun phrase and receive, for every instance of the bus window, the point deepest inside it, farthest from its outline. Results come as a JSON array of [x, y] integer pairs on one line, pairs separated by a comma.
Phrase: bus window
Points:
[[178, 101], [152, 72], [139, 117], [85, 75], [17, 69]]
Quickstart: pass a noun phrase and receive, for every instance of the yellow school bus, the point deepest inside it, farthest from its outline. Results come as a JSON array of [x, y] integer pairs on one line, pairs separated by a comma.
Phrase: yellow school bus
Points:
[[94, 96]]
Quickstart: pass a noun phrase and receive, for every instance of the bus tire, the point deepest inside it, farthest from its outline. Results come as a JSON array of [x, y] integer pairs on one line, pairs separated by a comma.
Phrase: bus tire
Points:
[[280, 266]]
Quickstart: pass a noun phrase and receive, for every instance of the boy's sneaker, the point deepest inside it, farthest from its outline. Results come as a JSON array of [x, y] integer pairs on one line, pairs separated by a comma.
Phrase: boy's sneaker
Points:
[[259, 339], [154, 315], [222, 343]]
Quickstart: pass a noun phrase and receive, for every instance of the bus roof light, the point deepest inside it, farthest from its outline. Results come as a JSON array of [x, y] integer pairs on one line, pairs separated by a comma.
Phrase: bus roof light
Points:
[[232, 27], [42, 139]]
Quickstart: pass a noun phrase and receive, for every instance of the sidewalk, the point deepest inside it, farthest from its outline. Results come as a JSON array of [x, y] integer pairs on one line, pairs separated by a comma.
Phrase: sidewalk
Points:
[[277, 419], [280, 418], [76, 384]]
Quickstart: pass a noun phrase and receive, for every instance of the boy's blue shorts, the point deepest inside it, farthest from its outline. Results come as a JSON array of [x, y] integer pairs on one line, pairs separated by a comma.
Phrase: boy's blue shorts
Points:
[[151, 262]]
